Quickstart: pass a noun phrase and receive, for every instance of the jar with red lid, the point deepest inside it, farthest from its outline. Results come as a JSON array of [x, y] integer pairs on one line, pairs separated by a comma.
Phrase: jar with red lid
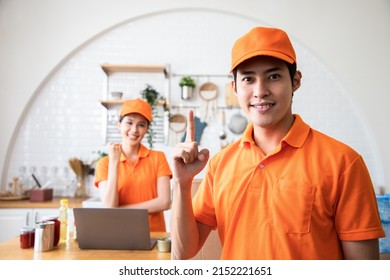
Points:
[[27, 235]]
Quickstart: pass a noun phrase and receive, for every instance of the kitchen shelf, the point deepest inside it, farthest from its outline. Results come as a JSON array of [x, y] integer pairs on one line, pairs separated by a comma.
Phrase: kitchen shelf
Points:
[[108, 103], [114, 68], [110, 114], [114, 102]]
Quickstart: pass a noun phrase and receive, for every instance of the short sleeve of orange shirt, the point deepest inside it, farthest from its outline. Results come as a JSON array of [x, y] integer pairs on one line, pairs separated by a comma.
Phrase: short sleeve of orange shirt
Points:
[[297, 202], [138, 182]]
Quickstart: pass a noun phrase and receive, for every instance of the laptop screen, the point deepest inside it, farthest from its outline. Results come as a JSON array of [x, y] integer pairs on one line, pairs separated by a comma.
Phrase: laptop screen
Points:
[[113, 228]]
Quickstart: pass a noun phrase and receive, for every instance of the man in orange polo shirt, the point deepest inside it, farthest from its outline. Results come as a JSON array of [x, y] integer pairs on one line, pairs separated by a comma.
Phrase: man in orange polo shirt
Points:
[[284, 190]]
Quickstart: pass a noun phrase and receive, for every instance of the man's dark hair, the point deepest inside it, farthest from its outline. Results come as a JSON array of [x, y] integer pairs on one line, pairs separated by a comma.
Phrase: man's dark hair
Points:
[[292, 69]]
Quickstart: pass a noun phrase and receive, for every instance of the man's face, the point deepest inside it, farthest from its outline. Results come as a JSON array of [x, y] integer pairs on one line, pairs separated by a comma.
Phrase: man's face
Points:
[[264, 90]]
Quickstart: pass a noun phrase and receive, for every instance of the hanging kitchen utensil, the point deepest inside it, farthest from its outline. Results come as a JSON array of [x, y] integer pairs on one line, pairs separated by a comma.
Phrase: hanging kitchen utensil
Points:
[[208, 93], [237, 123], [177, 124], [230, 96], [199, 127], [222, 135]]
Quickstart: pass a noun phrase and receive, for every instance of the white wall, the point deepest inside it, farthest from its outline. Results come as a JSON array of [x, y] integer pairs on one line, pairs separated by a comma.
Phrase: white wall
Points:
[[350, 38]]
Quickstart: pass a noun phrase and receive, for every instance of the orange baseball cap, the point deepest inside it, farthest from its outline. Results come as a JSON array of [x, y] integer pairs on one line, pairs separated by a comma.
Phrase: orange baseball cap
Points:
[[263, 41], [137, 106]]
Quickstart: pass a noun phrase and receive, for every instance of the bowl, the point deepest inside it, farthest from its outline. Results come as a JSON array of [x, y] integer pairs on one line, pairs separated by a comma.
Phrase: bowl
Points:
[[116, 94]]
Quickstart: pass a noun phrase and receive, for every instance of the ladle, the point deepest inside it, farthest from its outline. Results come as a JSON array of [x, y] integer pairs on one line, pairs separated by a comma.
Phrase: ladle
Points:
[[222, 134]]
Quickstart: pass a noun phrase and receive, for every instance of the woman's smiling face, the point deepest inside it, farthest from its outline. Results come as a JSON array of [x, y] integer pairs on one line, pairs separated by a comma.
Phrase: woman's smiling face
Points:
[[133, 128]]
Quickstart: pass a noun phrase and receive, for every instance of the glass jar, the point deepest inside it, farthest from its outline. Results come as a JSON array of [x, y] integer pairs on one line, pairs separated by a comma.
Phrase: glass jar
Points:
[[27, 235]]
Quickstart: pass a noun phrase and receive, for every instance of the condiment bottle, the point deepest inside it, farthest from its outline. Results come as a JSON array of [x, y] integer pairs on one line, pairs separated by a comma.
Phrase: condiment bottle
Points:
[[63, 217], [74, 231]]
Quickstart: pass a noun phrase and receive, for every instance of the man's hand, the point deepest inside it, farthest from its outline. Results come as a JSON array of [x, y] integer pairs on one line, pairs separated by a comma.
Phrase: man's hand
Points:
[[187, 159]]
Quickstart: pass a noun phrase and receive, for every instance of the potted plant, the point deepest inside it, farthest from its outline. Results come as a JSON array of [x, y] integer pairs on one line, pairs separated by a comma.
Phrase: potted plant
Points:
[[187, 85], [152, 96]]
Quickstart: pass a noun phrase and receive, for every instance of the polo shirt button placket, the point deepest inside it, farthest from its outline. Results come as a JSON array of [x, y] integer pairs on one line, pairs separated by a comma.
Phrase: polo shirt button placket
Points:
[[261, 166]]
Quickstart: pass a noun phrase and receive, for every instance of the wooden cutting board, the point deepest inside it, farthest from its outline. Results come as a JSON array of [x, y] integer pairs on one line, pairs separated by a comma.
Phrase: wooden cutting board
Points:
[[230, 96]]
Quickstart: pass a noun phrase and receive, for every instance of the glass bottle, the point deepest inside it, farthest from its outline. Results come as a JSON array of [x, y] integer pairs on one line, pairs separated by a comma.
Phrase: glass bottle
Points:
[[23, 178], [31, 181], [74, 231], [63, 217]]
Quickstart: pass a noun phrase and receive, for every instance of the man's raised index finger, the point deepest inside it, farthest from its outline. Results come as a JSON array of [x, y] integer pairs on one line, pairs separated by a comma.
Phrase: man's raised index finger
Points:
[[190, 136]]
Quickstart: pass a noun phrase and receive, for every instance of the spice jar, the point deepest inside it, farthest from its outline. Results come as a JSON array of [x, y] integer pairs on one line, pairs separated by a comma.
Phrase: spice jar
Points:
[[27, 237]]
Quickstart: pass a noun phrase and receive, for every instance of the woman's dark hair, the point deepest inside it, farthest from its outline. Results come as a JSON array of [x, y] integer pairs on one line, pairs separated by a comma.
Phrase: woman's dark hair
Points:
[[292, 69]]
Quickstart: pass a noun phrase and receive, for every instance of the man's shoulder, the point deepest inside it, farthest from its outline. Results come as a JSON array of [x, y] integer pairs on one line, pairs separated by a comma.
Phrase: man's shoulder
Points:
[[330, 143]]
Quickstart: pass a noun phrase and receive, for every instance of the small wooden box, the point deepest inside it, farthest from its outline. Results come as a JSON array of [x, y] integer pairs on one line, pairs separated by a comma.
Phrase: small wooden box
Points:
[[41, 194]]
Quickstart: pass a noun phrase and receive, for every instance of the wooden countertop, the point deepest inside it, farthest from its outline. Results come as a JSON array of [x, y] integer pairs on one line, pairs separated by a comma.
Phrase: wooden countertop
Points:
[[54, 203], [10, 250]]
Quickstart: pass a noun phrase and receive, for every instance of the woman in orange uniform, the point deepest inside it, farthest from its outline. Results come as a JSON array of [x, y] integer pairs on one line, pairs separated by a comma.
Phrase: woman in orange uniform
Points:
[[132, 176]]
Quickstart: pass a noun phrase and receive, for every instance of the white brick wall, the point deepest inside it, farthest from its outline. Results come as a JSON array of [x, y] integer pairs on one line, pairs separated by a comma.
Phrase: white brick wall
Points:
[[64, 120]]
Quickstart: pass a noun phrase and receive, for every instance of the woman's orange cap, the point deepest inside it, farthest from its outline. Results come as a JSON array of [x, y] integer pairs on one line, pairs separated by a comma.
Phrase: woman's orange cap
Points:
[[137, 106], [263, 41]]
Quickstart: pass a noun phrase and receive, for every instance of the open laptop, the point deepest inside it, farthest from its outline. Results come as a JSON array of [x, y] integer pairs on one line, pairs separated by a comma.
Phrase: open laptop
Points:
[[113, 229]]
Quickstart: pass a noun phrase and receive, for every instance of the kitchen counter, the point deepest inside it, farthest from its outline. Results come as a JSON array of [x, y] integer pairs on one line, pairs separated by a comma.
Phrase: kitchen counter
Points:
[[10, 250], [54, 203]]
